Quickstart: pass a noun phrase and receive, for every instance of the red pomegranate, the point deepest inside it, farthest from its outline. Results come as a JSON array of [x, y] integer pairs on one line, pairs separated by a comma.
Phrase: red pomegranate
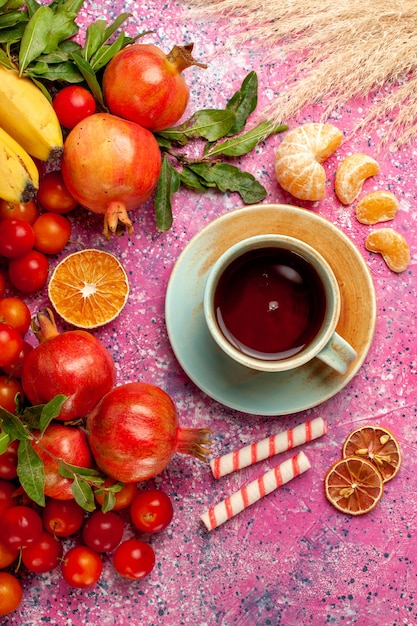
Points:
[[143, 84], [134, 432], [74, 363], [61, 443], [111, 166]]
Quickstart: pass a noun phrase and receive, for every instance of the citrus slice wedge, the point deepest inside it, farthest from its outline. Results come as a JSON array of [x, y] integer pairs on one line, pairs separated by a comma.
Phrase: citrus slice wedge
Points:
[[351, 175], [377, 206], [378, 445], [353, 485], [393, 247], [89, 288]]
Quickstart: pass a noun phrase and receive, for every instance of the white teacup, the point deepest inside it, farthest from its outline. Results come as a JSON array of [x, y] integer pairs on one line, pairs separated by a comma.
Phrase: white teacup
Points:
[[272, 303]]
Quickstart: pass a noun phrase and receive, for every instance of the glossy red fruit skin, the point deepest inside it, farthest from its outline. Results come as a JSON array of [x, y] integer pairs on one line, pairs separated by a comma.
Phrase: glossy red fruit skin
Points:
[[8, 462], [141, 84], [133, 445], [111, 166], [15, 369], [103, 532], [62, 518], [74, 363], [64, 442], [21, 526], [44, 554]]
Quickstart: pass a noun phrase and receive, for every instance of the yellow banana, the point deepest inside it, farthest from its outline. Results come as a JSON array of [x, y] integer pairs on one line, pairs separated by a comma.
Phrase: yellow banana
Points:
[[19, 176], [28, 116]]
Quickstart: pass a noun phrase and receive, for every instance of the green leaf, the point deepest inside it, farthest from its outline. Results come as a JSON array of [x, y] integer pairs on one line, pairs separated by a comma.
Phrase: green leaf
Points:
[[10, 5], [69, 46], [108, 502], [31, 472], [65, 71], [229, 178], [176, 135], [163, 143], [98, 33], [4, 59], [83, 494], [113, 488], [11, 36], [244, 102], [105, 53], [50, 411], [32, 6], [238, 146], [35, 37], [56, 56], [31, 416], [89, 77], [12, 18], [68, 470], [63, 23], [110, 30], [210, 124], [4, 441], [168, 184], [192, 180], [39, 69], [13, 425], [94, 38], [42, 87]]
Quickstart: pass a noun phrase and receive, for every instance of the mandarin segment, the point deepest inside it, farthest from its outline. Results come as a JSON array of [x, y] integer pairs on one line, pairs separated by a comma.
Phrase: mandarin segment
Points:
[[392, 246], [377, 206], [298, 159], [353, 485], [378, 445], [89, 288], [351, 175]]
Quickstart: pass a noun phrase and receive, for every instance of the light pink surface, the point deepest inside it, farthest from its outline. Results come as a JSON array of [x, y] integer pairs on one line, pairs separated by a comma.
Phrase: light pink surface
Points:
[[290, 559]]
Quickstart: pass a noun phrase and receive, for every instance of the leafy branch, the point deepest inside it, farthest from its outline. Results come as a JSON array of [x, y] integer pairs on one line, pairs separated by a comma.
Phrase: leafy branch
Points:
[[30, 467], [222, 136], [40, 41]]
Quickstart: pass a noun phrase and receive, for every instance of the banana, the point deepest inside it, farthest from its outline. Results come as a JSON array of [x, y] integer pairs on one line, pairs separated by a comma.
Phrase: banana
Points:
[[28, 116], [19, 176]]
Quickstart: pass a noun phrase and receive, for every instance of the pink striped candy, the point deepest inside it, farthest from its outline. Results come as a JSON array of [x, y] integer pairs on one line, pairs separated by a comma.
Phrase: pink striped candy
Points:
[[255, 490], [255, 452]]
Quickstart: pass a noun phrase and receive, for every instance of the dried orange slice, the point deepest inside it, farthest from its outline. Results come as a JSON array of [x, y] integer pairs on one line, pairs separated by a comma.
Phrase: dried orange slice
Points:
[[378, 445], [351, 174], [392, 245], [89, 288], [377, 206], [353, 485], [299, 156]]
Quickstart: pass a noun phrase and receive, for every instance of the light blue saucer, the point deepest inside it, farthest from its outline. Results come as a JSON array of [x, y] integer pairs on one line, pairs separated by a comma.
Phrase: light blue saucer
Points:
[[233, 385]]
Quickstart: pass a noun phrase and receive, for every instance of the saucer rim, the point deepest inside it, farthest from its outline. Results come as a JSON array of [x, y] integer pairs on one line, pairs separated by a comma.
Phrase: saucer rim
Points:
[[205, 233]]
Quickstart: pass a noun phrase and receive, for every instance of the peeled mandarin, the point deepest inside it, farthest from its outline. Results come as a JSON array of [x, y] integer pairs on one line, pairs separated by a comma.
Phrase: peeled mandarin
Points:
[[351, 174], [377, 206], [392, 246], [299, 157]]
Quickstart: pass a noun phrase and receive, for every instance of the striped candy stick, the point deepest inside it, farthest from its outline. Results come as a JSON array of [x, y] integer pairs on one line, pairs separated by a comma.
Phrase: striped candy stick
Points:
[[255, 490], [252, 453]]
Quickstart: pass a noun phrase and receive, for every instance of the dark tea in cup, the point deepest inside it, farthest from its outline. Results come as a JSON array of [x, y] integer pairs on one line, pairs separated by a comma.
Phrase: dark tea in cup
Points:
[[270, 303]]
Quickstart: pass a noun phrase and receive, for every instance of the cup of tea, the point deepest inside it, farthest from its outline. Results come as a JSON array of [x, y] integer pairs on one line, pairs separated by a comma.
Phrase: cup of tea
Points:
[[272, 303]]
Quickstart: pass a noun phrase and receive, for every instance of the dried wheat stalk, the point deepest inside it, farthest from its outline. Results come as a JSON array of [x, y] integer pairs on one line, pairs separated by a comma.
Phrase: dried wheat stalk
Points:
[[340, 49]]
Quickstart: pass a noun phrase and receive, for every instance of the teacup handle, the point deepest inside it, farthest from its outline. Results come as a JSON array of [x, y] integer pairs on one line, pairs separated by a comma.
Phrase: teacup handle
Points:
[[337, 353]]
